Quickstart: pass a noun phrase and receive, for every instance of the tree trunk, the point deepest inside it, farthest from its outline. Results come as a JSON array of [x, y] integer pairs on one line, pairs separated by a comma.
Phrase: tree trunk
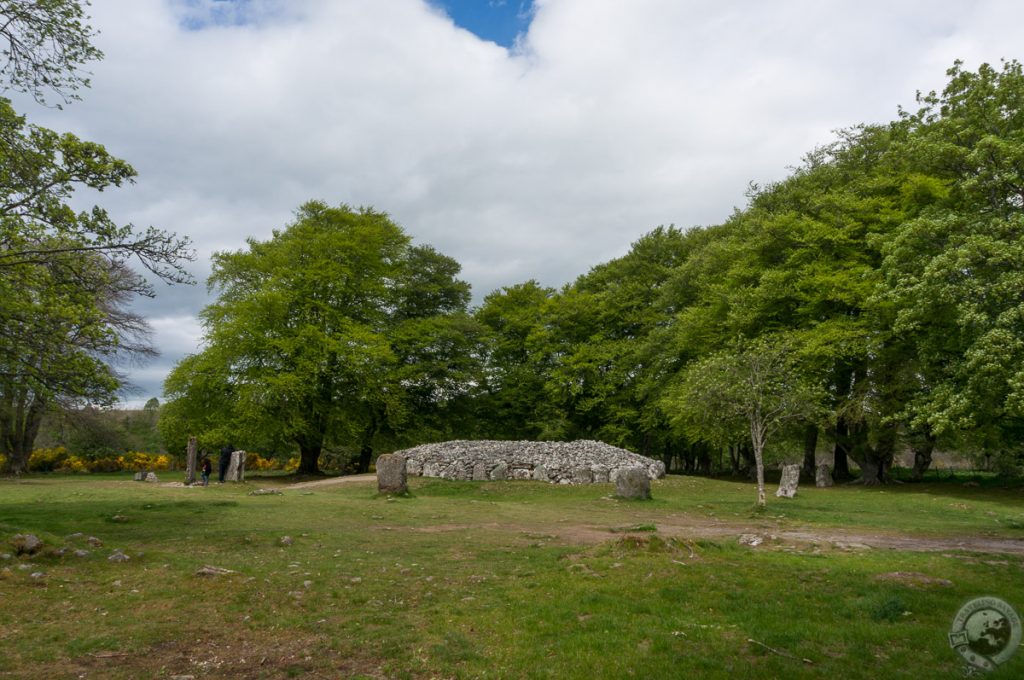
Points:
[[841, 463], [18, 430], [190, 462], [365, 458], [757, 442], [666, 457], [704, 459], [310, 448], [366, 444], [875, 462], [810, 447], [748, 461], [759, 462], [923, 446]]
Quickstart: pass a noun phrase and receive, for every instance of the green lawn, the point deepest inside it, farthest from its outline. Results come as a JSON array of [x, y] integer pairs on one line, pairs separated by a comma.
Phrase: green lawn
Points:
[[492, 580]]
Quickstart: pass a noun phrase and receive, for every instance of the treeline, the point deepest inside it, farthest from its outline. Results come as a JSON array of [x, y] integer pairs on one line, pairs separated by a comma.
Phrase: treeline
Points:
[[882, 282], [95, 433]]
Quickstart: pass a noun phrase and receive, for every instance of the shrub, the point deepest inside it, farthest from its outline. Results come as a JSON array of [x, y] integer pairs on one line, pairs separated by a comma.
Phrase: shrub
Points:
[[256, 462], [58, 459], [47, 460]]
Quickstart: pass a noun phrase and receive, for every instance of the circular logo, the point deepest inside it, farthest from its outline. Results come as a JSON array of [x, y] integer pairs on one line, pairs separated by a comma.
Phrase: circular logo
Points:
[[986, 632]]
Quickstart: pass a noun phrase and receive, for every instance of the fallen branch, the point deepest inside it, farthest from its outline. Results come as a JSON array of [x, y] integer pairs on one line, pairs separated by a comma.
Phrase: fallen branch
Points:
[[778, 651]]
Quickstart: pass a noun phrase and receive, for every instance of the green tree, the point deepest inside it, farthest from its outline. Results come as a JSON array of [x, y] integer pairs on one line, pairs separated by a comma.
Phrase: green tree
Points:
[[66, 325], [48, 42], [510, 403], [64, 278], [758, 387], [954, 274], [334, 330]]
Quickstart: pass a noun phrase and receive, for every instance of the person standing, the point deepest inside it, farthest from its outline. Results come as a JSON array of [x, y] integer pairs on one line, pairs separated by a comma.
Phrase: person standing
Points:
[[225, 461], [205, 470]]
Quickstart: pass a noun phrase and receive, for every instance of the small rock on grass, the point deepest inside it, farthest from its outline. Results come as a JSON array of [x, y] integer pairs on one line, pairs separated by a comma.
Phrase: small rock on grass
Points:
[[286, 540], [118, 556], [26, 544], [94, 542], [265, 492], [208, 570], [753, 540]]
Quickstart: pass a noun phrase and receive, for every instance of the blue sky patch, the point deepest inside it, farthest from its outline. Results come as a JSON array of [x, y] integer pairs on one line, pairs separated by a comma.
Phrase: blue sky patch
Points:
[[499, 21], [196, 15]]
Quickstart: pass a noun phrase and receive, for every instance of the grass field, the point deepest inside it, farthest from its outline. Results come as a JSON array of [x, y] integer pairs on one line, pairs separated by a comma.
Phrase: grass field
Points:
[[499, 580]]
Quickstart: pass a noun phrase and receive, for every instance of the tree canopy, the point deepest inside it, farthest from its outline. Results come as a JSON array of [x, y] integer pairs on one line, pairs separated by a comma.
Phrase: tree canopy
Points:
[[890, 260], [47, 44], [335, 330], [65, 277]]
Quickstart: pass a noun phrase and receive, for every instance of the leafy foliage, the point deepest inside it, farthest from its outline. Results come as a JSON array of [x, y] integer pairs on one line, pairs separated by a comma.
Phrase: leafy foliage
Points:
[[47, 44], [335, 331]]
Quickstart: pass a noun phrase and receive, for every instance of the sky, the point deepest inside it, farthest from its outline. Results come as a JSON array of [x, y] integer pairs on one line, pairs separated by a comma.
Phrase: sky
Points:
[[526, 140]]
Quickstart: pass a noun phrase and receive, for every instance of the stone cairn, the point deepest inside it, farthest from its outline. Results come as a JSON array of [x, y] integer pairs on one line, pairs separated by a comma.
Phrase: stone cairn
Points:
[[578, 462], [391, 474], [790, 481]]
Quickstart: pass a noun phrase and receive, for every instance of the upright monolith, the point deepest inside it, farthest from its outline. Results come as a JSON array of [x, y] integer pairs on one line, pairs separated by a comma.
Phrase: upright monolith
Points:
[[391, 474], [823, 476], [236, 470], [790, 481], [633, 483], [190, 461]]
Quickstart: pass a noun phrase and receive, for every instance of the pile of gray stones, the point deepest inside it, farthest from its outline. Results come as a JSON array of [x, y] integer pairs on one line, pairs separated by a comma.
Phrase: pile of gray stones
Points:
[[577, 462]]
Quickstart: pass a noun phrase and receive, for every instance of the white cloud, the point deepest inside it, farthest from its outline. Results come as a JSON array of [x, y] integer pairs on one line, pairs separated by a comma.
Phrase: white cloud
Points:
[[609, 119]]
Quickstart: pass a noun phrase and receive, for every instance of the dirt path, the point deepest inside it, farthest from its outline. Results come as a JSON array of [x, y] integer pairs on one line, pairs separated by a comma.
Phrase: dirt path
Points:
[[686, 527], [757, 536], [332, 481], [838, 538]]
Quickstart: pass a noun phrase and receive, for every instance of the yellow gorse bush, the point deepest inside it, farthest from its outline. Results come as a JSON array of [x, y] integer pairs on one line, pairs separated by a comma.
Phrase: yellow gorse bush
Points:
[[254, 461], [57, 459]]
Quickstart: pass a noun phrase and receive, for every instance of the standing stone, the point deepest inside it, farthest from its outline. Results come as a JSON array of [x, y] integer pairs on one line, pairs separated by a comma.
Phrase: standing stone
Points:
[[600, 474], [391, 474], [633, 483], [151, 477], [540, 473], [140, 476], [190, 461], [236, 469], [823, 477], [480, 472], [500, 472], [790, 480]]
